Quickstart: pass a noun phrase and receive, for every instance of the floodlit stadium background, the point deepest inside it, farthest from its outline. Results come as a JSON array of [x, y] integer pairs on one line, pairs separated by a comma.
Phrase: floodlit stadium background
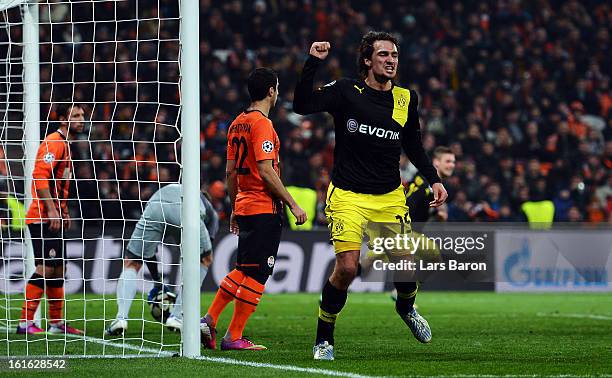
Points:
[[519, 90]]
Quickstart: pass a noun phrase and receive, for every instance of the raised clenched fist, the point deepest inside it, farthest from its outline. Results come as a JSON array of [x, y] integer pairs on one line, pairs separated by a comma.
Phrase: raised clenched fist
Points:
[[320, 49]]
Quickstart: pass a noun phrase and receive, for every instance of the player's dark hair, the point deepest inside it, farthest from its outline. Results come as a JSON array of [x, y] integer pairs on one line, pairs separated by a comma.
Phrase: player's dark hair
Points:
[[63, 110], [441, 150], [366, 48], [260, 81]]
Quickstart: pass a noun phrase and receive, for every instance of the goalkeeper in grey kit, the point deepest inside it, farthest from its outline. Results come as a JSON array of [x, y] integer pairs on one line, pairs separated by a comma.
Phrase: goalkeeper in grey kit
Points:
[[161, 218]]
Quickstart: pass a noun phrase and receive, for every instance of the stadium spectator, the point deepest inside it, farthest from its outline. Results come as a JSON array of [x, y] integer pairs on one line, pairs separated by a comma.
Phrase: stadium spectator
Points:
[[532, 79], [12, 213]]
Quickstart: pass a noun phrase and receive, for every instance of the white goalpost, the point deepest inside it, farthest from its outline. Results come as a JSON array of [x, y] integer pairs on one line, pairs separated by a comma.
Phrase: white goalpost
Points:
[[134, 66], [190, 125], [31, 121]]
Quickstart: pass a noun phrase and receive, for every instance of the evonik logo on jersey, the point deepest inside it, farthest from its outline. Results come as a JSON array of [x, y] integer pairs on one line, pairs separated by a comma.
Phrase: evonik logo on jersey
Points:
[[353, 126]]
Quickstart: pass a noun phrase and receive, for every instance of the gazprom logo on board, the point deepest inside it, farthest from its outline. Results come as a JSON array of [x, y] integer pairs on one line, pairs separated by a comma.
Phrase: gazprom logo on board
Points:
[[519, 270]]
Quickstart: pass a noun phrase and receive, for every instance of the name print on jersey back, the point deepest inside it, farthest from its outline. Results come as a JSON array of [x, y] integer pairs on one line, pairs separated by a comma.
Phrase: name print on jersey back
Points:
[[251, 138]]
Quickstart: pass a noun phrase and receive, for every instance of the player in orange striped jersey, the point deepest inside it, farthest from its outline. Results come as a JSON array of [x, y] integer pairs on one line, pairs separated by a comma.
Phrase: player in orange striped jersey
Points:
[[257, 195], [47, 219]]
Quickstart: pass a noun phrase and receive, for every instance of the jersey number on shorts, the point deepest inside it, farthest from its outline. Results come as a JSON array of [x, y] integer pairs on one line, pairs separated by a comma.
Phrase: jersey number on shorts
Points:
[[240, 158]]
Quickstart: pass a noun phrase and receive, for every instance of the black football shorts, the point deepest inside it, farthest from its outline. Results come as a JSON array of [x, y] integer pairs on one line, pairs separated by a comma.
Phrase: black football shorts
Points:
[[258, 242], [48, 246]]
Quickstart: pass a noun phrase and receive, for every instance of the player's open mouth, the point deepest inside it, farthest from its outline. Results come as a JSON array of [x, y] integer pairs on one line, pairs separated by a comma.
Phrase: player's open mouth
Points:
[[389, 68]]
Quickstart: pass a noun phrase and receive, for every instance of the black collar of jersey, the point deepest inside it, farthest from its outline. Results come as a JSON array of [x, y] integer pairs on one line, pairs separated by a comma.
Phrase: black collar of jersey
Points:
[[361, 82], [254, 110]]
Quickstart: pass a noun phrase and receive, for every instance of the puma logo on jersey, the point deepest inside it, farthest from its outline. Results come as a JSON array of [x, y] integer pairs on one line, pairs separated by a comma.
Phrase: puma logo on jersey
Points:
[[359, 89]]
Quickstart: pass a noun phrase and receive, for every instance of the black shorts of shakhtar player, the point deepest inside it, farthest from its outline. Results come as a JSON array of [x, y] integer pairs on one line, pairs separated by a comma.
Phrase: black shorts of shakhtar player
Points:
[[49, 246], [258, 242]]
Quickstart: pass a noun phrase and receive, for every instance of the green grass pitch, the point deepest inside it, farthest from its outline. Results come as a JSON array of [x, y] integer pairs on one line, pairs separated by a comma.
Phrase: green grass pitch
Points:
[[473, 334]]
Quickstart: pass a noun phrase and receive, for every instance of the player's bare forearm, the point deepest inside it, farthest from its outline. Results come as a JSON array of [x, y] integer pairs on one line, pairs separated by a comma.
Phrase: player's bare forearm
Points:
[[232, 181], [232, 187], [274, 183], [45, 196], [53, 213]]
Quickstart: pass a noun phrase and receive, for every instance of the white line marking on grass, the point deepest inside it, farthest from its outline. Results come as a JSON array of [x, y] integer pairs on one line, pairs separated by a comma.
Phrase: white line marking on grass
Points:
[[113, 344], [232, 361], [580, 316], [123, 345], [517, 376], [89, 356], [512, 376], [489, 376]]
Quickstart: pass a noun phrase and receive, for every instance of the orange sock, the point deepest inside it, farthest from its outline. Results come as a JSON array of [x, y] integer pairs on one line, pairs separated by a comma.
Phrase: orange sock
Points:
[[247, 299], [226, 293], [55, 298], [33, 293]]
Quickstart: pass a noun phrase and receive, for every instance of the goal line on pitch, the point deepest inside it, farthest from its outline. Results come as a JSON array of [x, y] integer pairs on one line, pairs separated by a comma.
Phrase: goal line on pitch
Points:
[[154, 353], [151, 352]]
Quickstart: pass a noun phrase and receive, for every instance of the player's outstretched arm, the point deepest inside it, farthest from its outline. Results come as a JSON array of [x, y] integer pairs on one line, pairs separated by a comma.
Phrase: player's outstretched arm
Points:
[[305, 99], [274, 183]]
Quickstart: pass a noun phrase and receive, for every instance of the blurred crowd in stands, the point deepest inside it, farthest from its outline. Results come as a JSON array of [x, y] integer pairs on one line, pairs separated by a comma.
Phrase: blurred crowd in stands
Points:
[[519, 90], [120, 60]]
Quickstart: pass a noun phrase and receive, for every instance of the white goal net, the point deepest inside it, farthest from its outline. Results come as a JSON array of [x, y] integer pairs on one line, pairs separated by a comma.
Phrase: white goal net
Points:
[[120, 60]]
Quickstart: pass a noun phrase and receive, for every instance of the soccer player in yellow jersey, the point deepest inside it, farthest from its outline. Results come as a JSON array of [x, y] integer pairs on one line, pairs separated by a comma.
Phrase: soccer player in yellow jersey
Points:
[[374, 120]]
